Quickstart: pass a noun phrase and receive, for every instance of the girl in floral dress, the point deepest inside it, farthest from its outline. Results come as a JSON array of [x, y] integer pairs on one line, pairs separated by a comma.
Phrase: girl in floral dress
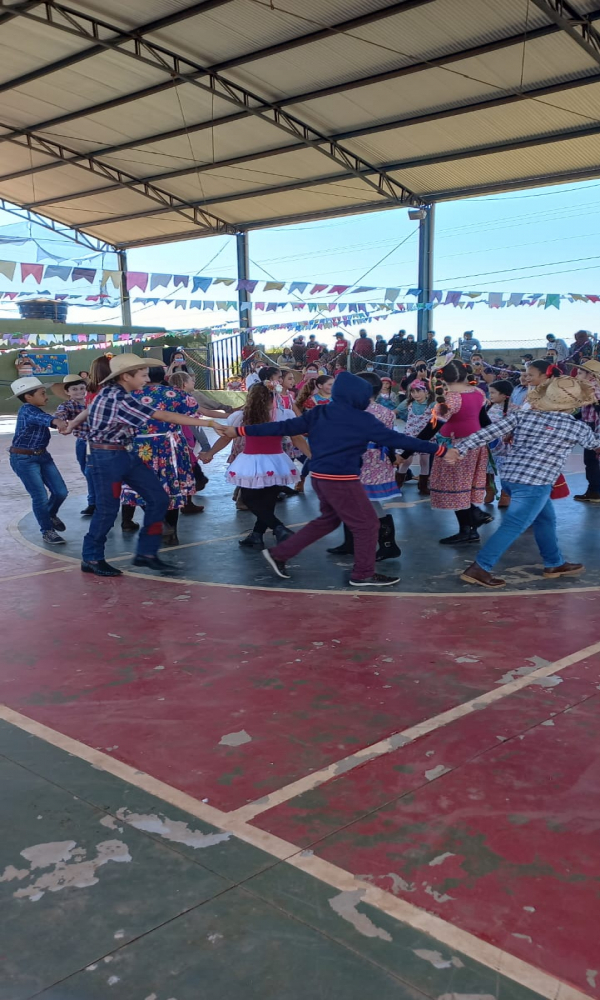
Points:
[[164, 449], [378, 477], [417, 412]]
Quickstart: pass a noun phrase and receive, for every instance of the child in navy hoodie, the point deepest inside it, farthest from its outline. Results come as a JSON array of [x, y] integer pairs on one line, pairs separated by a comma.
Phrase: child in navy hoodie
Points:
[[338, 436]]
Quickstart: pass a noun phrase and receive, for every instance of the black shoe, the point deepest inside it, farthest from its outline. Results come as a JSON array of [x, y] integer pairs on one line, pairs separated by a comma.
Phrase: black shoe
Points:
[[461, 537], [347, 546], [170, 539], [129, 526], [480, 516], [252, 541], [89, 510], [127, 522], [156, 564], [377, 580], [281, 533], [100, 568], [57, 524], [285, 492], [588, 497], [387, 539], [277, 565]]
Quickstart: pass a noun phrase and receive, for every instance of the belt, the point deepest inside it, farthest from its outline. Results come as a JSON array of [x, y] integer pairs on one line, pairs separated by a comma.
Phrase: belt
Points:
[[27, 451], [109, 447]]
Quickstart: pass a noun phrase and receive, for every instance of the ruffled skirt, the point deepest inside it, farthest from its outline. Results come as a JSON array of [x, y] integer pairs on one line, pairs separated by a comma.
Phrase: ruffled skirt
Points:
[[254, 472]]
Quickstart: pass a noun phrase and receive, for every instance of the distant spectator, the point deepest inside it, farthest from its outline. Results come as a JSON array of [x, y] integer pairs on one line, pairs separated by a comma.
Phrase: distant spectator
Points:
[[286, 358], [582, 347], [313, 350], [467, 344], [560, 346], [299, 350], [427, 349], [341, 344], [363, 349]]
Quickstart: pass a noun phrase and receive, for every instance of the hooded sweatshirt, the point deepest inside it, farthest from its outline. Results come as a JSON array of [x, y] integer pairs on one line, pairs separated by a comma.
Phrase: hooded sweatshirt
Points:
[[338, 434]]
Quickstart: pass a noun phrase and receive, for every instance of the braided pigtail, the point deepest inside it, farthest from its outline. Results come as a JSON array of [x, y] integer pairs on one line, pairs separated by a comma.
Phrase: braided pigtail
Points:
[[440, 390], [305, 393]]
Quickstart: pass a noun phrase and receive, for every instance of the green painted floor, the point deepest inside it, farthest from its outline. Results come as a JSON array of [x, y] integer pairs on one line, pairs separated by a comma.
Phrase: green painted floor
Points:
[[106, 891]]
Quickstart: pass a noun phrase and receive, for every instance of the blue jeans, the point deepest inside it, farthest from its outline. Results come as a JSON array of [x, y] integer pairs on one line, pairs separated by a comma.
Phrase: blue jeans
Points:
[[108, 471], [81, 456], [530, 506], [38, 472]]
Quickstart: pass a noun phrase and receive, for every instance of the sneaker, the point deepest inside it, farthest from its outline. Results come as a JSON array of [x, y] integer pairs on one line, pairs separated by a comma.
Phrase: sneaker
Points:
[[100, 568], [588, 497], [252, 541], [89, 510], [275, 564], [57, 524], [51, 538], [567, 569], [377, 580], [476, 574]]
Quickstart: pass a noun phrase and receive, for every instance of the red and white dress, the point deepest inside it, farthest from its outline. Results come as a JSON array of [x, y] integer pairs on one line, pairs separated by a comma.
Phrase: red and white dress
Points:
[[456, 487], [262, 463]]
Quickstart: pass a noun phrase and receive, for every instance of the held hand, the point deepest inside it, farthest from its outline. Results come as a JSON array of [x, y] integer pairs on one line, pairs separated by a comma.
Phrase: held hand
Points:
[[452, 456], [205, 457], [224, 431], [63, 427]]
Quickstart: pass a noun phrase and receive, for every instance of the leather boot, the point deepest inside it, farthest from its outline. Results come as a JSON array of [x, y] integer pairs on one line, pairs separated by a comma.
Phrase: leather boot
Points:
[[400, 477], [347, 546], [253, 541], [423, 486], [281, 533], [504, 500], [387, 548], [190, 507], [490, 488], [299, 487], [169, 535], [127, 522]]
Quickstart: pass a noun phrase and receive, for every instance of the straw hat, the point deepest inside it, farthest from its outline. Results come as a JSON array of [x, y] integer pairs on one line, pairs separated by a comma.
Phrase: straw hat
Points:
[[122, 363], [29, 383], [562, 395], [60, 388], [591, 366]]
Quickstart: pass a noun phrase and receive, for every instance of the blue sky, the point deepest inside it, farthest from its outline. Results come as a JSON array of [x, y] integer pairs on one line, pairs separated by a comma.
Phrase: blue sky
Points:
[[529, 241]]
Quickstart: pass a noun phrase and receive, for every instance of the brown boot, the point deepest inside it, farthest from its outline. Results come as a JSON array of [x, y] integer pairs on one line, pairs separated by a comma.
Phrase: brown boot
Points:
[[475, 574], [490, 488], [504, 500], [400, 477], [423, 486], [567, 569], [190, 507], [299, 487]]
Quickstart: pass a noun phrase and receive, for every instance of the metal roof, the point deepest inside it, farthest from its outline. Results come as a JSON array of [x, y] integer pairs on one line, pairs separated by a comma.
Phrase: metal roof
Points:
[[147, 121]]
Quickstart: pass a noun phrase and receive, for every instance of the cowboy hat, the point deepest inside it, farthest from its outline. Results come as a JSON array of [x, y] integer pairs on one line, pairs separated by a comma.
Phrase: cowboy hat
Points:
[[123, 363], [29, 383], [591, 366], [562, 395], [60, 388]]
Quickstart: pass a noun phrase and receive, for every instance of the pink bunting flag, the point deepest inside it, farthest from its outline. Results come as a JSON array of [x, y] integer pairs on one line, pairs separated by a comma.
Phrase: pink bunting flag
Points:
[[317, 289], [338, 289], [36, 270], [136, 279]]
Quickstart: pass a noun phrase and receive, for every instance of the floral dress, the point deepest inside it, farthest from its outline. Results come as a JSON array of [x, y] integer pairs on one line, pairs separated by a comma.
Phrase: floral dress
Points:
[[163, 448], [456, 487], [377, 473]]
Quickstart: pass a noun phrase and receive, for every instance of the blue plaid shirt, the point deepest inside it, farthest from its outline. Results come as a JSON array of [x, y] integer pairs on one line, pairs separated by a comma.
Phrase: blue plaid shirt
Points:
[[33, 428], [70, 409], [116, 416]]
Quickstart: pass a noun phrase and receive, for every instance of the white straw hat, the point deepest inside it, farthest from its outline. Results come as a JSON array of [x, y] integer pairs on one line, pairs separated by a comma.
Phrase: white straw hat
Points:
[[122, 363], [562, 395], [29, 383]]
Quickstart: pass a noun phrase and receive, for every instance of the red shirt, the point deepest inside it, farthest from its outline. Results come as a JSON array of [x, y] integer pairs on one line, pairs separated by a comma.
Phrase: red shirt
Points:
[[341, 345], [313, 354]]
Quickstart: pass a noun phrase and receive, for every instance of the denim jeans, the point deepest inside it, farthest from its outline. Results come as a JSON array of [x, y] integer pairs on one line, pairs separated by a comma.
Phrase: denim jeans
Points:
[[109, 470], [530, 506], [38, 472], [81, 456]]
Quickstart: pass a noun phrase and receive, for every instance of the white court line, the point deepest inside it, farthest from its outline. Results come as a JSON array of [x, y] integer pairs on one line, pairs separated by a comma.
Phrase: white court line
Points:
[[407, 736], [489, 955]]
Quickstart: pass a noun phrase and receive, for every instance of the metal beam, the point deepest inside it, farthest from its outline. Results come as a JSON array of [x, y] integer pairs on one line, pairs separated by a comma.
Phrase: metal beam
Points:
[[159, 57], [425, 278], [243, 273], [167, 201], [90, 242], [94, 50], [526, 143], [574, 24], [124, 291], [539, 180], [447, 59]]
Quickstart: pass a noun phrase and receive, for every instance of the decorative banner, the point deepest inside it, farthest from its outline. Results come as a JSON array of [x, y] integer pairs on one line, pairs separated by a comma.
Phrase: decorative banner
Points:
[[49, 364]]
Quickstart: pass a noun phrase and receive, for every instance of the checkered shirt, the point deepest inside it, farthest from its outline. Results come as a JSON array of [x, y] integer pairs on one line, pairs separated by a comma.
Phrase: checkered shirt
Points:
[[33, 428], [116, 416], [541, 443], [68, 411]]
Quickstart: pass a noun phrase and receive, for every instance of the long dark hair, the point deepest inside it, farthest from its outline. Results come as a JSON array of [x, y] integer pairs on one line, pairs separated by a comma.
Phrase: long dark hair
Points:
[[374, 381], [454, 371], [552, 371], [505, 387], [99, 370], [259, 405]]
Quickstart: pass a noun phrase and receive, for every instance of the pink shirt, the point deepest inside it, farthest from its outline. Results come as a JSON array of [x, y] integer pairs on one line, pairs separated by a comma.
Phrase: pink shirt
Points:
[[465, 408]]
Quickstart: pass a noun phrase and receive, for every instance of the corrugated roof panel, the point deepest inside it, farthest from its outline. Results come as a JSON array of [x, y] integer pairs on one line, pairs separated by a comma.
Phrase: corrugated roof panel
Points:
[[239, 27], [342, 194], [23, 51], [543, 161], [159, 229], [132, 13]]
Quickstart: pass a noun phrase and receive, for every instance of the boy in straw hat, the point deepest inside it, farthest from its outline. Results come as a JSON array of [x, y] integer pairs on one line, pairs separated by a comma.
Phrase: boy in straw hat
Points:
[[542, 438], [31, 461], [114, 417], [72, 391]]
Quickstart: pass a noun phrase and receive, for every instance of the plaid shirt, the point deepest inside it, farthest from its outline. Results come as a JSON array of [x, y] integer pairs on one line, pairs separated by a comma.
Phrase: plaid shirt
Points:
[[68, 411], [541, 443], [116, 416], [33, 428]]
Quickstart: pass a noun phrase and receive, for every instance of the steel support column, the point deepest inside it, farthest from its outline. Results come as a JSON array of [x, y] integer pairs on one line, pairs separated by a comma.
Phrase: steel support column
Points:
[[243, 268], [425, 270], [125, 300]]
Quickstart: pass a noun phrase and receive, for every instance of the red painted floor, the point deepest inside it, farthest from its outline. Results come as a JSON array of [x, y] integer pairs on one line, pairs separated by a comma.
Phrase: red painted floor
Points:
[[504, 842]]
